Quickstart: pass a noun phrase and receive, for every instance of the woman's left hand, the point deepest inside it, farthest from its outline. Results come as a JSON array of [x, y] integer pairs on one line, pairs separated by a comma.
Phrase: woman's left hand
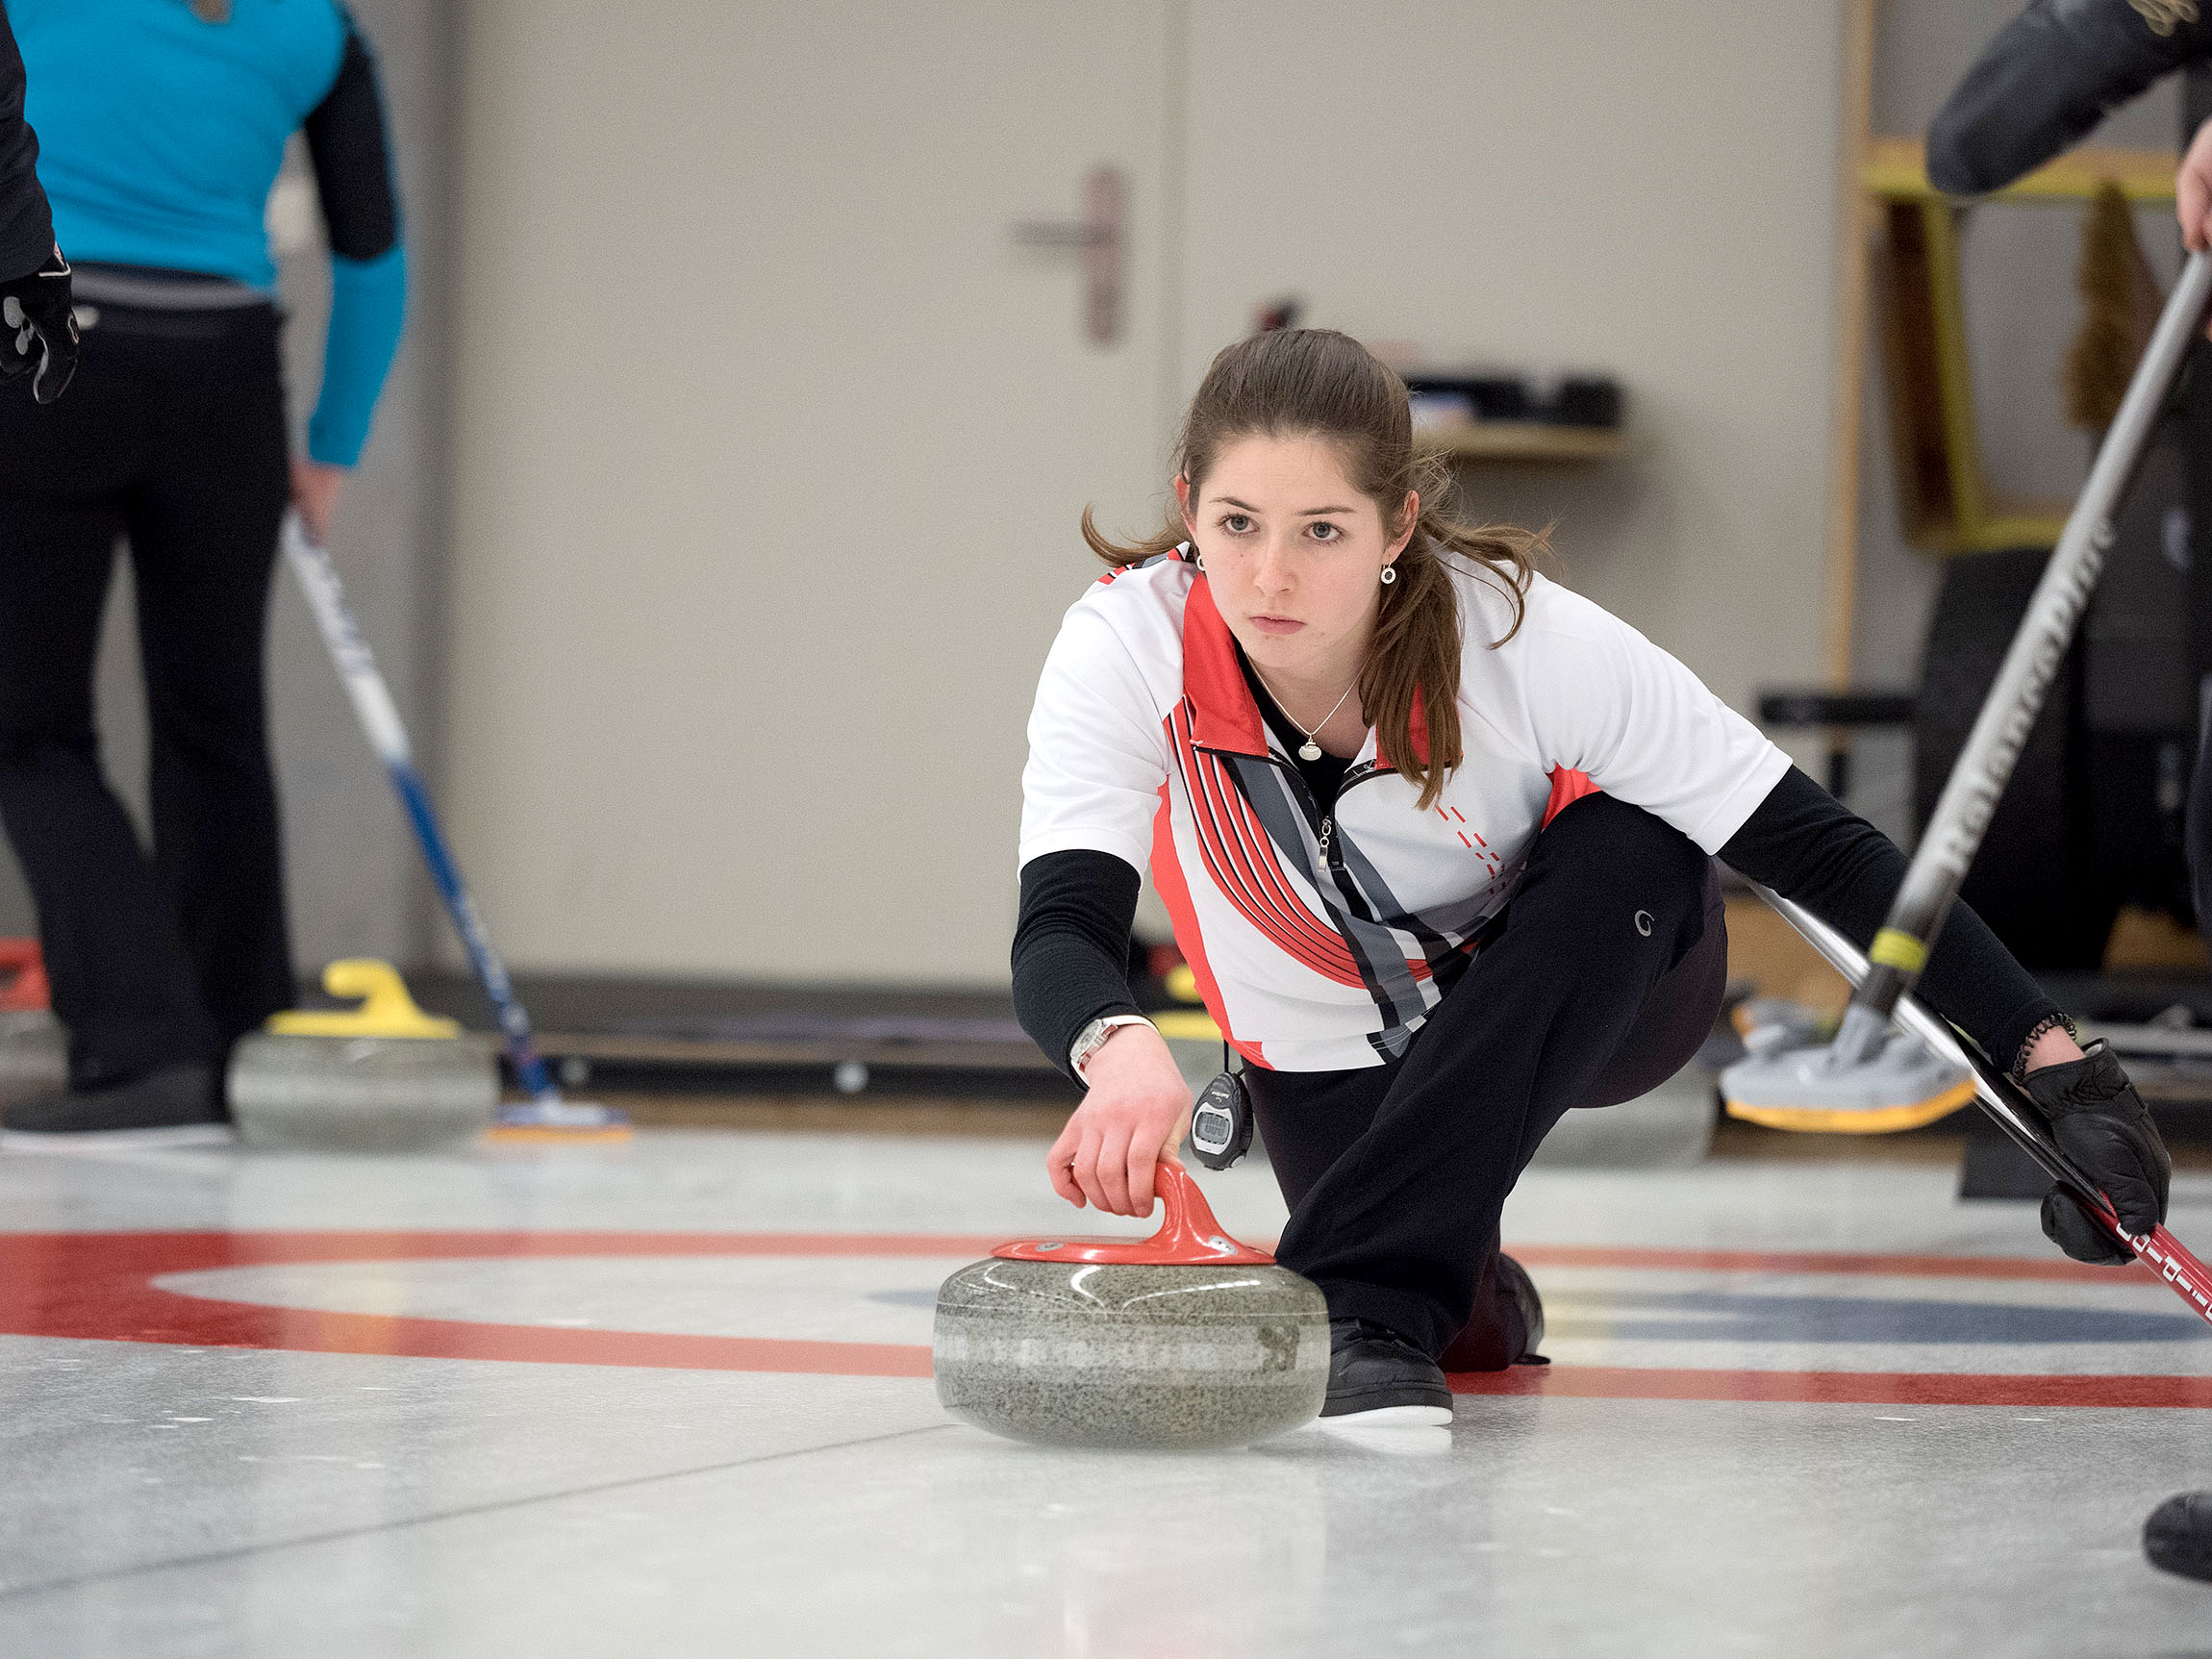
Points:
[[314, 492]]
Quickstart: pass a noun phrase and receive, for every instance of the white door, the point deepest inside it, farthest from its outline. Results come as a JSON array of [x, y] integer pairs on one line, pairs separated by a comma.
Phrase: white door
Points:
[[771, 443]]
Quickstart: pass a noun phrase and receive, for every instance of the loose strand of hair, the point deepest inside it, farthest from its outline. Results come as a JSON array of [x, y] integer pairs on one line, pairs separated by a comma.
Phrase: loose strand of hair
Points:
[[1120, 555]]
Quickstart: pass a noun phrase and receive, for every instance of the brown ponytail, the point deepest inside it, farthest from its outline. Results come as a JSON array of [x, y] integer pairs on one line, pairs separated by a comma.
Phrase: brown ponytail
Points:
[[1295, 382]]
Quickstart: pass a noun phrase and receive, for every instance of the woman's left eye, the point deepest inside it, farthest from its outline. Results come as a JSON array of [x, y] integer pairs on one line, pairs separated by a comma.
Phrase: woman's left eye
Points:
[[1324, 531]]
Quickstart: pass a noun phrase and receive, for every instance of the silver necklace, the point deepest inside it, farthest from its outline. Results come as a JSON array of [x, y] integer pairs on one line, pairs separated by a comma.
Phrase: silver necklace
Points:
[[1309, 750]]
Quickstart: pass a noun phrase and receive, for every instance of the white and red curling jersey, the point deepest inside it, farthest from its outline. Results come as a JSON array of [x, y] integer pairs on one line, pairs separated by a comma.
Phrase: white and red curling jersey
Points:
[[1320, 939]]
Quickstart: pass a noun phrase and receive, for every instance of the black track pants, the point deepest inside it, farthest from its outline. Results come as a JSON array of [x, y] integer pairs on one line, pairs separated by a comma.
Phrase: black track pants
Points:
[[172, 435], [1608, 974]]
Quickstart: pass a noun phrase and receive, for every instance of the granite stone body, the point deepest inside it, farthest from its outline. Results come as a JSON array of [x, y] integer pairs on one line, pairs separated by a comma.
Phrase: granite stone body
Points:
[[33, 1054], [362, 1094], [1168, 1357]]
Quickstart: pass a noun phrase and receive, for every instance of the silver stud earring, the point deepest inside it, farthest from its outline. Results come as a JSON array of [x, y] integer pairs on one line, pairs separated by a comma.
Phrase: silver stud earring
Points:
[[1389, 574]]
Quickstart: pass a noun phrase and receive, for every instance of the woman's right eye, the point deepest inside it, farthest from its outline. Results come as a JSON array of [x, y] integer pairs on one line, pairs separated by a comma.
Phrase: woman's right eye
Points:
[[1237, 523]]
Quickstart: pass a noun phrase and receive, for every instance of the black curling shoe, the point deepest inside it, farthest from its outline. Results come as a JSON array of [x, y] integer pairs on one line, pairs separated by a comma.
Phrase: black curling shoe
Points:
[[173, 1107], [1514, 1279], [1505, 1327], [2178, 1535], [1376, 1376]]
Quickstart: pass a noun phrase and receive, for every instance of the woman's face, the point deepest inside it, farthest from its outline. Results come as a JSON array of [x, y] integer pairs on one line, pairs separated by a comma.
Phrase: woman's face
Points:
[[1293, 552]]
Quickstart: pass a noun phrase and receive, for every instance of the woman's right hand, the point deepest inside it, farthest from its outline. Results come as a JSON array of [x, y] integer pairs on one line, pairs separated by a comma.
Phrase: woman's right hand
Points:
[[1134, 1117]]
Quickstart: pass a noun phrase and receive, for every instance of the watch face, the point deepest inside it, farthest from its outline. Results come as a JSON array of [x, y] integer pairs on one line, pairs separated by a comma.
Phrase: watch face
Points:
[[1213, 1131]]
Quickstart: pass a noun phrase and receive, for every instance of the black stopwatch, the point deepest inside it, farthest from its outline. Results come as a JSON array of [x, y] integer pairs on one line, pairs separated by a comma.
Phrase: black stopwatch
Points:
[[1221, 1123]]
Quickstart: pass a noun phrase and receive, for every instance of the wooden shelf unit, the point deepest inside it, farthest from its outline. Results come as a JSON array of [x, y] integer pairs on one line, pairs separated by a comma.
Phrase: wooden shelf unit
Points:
[[1896, 170], [1947, 502], [1534, 442]]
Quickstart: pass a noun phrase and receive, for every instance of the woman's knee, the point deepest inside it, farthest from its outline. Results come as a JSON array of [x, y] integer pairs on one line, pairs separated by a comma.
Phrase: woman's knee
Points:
[[1610, 860]]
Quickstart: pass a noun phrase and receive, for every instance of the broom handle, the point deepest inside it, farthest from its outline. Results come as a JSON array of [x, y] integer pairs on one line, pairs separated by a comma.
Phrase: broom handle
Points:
[[1984, 766], [379, 715], [2001, 1097]]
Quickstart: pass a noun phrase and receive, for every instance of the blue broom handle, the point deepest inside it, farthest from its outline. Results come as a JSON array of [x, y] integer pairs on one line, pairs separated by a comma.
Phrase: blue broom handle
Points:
[[379, 715]]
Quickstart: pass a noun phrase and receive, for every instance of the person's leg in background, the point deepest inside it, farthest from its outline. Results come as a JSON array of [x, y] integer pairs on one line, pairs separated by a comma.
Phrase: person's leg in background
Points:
[[121, 984], [1613, 950], [203, 530]]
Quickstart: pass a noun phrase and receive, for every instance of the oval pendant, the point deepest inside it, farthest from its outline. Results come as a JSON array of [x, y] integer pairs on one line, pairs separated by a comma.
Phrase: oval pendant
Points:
[[1310, 750]]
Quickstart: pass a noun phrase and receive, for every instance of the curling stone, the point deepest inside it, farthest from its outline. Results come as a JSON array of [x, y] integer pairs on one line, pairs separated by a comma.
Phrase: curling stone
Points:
[[33, 1046], [383, 1077], [1187, 1341]]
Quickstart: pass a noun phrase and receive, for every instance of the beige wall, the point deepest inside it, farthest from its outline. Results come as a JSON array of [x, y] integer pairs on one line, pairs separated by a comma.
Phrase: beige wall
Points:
[[1640, 188], [769, 445]]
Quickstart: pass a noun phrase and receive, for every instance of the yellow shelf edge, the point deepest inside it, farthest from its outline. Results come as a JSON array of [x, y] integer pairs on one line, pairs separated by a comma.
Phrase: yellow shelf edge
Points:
[[1897, 169]]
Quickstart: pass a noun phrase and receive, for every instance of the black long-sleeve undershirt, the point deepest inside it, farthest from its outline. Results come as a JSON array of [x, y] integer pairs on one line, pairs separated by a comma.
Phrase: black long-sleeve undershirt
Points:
[[1802, 843], [345, 139], [1071, 943]]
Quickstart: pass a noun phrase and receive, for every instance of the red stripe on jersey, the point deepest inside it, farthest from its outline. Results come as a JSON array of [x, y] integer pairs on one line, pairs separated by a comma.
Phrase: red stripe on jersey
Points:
[[1167, 877], [1268, 868], [1568, 785], [1327, 953]]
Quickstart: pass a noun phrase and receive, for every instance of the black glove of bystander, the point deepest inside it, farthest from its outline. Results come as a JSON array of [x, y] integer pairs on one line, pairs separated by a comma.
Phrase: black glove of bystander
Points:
[[2101, 1123], [40, 333]]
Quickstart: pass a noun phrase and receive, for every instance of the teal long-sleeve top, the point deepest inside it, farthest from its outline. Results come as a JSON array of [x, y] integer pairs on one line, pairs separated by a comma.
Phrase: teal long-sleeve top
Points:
[[162, 126]]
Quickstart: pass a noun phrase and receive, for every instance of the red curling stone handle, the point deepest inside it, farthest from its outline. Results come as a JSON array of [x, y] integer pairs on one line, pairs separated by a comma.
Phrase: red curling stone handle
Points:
[[1189, 1236]]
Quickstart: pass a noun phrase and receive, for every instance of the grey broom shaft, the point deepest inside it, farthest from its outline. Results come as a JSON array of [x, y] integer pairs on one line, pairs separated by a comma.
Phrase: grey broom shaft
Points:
[[1846, 959]]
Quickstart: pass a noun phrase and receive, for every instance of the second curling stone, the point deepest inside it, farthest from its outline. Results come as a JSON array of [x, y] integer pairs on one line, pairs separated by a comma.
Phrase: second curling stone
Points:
[[383, 1077], [34, 1048], [1187, 1341]]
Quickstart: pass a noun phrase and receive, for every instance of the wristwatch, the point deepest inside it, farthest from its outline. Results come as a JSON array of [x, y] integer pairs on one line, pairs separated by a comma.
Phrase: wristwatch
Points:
[[1093, 1038]]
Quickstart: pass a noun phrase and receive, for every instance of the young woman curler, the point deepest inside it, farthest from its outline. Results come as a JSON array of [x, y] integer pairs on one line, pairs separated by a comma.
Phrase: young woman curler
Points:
[[1437, 835]]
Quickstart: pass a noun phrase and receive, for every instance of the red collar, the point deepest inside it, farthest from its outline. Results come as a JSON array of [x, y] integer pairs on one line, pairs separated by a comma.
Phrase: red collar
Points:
[[1226, 718]]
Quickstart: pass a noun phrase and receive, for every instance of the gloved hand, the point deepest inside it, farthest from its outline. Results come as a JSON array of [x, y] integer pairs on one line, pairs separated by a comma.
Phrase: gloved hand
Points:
[[39, 335], [2099, 1121]]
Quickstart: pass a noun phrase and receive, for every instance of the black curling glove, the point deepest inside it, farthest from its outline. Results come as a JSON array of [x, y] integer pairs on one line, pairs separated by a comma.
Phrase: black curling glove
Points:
[[39, 335], [2101, 1123]]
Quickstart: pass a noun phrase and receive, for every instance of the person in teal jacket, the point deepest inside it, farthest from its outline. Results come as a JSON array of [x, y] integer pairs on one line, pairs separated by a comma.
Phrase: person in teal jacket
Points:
[[161, 127]]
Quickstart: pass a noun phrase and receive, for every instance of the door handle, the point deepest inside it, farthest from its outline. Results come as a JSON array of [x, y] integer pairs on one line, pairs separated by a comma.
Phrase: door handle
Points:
[[1100, 236]]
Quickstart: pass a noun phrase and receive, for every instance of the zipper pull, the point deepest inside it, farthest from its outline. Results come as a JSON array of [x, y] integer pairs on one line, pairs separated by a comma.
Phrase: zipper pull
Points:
[[1328, 849]]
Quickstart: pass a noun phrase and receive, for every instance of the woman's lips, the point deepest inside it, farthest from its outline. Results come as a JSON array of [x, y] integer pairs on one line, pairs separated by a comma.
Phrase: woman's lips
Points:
[[1276, 624]]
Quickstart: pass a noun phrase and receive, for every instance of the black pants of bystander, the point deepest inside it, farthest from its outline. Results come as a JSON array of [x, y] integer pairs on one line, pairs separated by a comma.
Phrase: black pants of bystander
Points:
[[173, 437]]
